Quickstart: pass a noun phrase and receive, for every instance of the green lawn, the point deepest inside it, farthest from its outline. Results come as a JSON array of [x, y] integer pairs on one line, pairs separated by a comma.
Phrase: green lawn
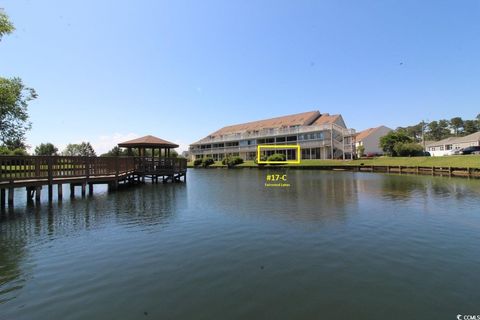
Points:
[[447, 161]]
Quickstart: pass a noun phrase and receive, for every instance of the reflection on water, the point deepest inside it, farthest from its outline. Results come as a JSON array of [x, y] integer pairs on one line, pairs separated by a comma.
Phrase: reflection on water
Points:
[[223, 245]]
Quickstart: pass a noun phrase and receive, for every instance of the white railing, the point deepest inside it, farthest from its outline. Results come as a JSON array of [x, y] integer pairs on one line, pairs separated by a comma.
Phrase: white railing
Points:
[[253, 148]]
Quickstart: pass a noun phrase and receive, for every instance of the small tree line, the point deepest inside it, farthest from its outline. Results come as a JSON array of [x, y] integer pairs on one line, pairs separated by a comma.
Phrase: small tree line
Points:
[[441, 129], [83, 149], [405, 141]]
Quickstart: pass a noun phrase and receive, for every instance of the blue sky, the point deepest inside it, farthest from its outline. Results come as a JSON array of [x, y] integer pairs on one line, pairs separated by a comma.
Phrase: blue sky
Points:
[[106, 71]]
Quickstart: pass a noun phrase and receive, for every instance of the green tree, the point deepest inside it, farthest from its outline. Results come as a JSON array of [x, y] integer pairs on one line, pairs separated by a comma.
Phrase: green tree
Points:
[[471, 126], [414, 132], [387, 142], [83, 149], [6, 27], [456, 124], [360, 150], [46, 149], [14, 99], [115, 152], [438, 130], [4, 151], [19, 152]]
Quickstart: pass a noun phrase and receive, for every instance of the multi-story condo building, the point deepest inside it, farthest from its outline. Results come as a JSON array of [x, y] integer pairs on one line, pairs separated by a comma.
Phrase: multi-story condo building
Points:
[[320, 136]]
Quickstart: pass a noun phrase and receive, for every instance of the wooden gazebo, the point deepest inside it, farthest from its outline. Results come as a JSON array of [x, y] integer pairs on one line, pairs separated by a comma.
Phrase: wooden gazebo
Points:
[[152, 164], [149, 142]]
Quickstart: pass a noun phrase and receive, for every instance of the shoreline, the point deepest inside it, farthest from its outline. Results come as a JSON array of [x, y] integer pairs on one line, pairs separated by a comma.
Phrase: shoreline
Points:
[[462, 172]]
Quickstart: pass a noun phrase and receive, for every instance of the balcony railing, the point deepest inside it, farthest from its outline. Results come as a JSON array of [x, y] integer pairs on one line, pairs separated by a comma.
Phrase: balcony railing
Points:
[[253, 148], [276, 132]]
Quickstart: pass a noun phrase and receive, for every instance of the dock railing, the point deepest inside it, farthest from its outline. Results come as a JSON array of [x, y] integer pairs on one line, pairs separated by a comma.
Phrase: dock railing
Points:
[[14, 168], [156, 165]]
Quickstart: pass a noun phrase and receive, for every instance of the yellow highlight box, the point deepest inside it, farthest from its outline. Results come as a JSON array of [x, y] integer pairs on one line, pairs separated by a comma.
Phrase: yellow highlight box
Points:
[[285, 146]]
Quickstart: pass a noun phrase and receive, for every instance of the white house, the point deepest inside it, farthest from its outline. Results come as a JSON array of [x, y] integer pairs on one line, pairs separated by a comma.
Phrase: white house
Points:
[[370, 139], [449, 145]]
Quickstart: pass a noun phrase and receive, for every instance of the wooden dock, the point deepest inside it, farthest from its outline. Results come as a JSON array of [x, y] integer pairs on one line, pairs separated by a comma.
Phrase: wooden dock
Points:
[[34, 172]]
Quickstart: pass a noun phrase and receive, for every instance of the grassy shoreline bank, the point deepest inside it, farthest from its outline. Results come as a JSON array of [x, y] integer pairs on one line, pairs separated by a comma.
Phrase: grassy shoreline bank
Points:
[[472, 161]]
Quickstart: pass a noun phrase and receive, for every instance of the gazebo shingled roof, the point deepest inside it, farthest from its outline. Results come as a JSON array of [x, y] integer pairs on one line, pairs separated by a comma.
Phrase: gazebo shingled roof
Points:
[[148, 142]]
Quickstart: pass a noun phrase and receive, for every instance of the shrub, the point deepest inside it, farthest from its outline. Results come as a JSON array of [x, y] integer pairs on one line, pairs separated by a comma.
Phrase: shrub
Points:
[[19, 152], [361, 150], [207, 162], [197, 162], [388, 142], [4, 151], [276, 157], [408, 149], [232, 161]]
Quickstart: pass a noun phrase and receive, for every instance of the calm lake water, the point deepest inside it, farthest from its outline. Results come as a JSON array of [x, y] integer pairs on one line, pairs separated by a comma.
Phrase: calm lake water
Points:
[[334, 245]]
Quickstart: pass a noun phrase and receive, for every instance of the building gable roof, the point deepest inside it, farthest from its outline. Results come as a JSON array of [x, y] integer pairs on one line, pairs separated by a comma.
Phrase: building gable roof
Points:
[[470, 138], [442, 142], [299, 119], [367, 132], [329, 119], [474, 137]]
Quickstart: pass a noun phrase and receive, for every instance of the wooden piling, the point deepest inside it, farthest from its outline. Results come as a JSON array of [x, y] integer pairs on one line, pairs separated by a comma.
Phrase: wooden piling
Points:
[[50, 178], [38, 193], [11, 192], [72, 190], [60, 191], [90, 189], [84, 189], [30, 192], [3, 198], [50, 192]]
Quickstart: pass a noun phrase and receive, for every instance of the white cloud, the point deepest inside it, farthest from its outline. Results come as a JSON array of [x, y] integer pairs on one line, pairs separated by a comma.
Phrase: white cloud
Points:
[[182, 146], [106, 142]]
